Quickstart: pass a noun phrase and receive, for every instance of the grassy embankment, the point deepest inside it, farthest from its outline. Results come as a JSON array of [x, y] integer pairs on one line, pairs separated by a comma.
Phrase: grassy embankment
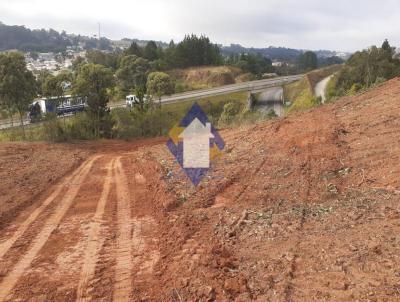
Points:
[[301, 93], [207, 77]]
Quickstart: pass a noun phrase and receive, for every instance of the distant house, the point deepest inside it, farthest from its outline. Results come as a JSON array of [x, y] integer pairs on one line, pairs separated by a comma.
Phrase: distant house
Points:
[[196, 144], [277, 64]]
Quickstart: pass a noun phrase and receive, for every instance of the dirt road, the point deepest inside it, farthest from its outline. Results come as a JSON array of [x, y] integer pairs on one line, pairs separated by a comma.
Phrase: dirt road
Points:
[[96, 215], [320, 88], [297, 209]]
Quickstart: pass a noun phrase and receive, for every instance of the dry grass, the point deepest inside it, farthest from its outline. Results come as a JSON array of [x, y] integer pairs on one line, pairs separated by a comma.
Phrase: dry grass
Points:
[[204, 77]]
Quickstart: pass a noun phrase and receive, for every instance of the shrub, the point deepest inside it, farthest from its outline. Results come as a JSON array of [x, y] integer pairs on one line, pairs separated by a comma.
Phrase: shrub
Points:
[[229, 113]]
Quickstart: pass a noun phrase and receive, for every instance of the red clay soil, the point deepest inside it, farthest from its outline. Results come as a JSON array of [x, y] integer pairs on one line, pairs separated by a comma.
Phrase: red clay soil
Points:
[[298, 209]]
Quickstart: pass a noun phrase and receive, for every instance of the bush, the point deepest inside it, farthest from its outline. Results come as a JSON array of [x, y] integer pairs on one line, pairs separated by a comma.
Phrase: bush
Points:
[[134, 123], [229, 113], [356, 87]]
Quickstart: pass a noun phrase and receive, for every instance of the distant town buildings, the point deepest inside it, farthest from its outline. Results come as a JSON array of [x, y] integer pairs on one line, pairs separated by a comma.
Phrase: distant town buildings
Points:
[[52, 62]]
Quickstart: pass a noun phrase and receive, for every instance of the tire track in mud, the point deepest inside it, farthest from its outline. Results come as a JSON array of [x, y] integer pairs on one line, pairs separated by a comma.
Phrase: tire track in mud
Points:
[[95, 242], [123, 269], [6, 245], [10, 280]]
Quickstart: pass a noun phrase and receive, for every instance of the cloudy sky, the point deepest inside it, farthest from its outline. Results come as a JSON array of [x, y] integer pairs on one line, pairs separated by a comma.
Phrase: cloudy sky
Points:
[[345, 25]]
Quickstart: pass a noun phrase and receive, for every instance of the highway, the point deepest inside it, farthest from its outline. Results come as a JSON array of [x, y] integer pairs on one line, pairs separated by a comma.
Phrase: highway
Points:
[[252, 86]]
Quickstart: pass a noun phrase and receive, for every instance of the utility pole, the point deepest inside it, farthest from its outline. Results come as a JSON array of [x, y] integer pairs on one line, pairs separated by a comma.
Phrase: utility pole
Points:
[[99, 36]]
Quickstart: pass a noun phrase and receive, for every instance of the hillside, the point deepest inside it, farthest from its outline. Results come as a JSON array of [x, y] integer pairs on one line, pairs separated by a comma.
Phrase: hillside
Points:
[[303, 208], [42, 40], [205, 77], [24, 39], [301, 94], [280, 53]]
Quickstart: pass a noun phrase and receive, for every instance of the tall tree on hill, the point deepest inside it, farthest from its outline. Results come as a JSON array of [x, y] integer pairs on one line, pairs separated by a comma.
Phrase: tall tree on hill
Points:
[[150, 52], [170, 55], [134, 49], [132, 72], [94, 82], [17, 84], [197, 51], [388, 50], [159, 84]]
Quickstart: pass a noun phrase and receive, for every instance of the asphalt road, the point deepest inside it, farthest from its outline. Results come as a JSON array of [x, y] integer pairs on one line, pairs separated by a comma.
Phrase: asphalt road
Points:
[[252, 86]]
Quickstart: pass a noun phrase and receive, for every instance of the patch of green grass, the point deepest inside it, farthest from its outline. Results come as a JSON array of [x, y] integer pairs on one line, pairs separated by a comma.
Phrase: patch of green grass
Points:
[[300, 95], [32, 133]]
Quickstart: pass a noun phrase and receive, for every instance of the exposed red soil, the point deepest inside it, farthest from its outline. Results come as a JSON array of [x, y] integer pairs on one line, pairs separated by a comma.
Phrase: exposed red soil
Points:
[[298, 209]]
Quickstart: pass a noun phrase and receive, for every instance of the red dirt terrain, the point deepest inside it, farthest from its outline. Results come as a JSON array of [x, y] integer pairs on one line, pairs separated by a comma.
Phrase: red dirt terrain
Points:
[[298, 209]]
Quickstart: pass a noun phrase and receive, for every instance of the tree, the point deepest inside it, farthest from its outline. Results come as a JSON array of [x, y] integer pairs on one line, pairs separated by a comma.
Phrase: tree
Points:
[[253, 63], [52, 87], [365, 68], [170, 55], [197, 51], [17, 84], [132, 72], [307, 61], [55, 86], [134, 49], [388, 50], [77, 63], [41, 79], [109, 60], [159, 84], [93, 82], [151, 51]]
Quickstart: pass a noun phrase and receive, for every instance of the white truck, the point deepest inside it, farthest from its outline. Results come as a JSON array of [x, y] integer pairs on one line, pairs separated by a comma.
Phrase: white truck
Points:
[[132, 100], [67, 105]]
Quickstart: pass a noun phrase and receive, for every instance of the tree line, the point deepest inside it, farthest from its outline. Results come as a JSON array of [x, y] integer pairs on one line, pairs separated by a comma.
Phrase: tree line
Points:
[[364, 69]]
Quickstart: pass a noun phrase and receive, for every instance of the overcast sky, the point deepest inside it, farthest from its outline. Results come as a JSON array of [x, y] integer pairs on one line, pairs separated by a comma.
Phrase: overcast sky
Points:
[[308, 24]]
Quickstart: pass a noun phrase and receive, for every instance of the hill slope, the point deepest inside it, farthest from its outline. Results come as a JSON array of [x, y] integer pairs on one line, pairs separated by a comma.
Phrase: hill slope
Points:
[[299, 209]]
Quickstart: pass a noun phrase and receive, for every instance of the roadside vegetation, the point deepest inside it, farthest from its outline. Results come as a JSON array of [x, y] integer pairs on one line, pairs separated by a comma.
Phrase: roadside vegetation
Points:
[[229, 110], [365, 69], [148, 72], [300, 95]]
